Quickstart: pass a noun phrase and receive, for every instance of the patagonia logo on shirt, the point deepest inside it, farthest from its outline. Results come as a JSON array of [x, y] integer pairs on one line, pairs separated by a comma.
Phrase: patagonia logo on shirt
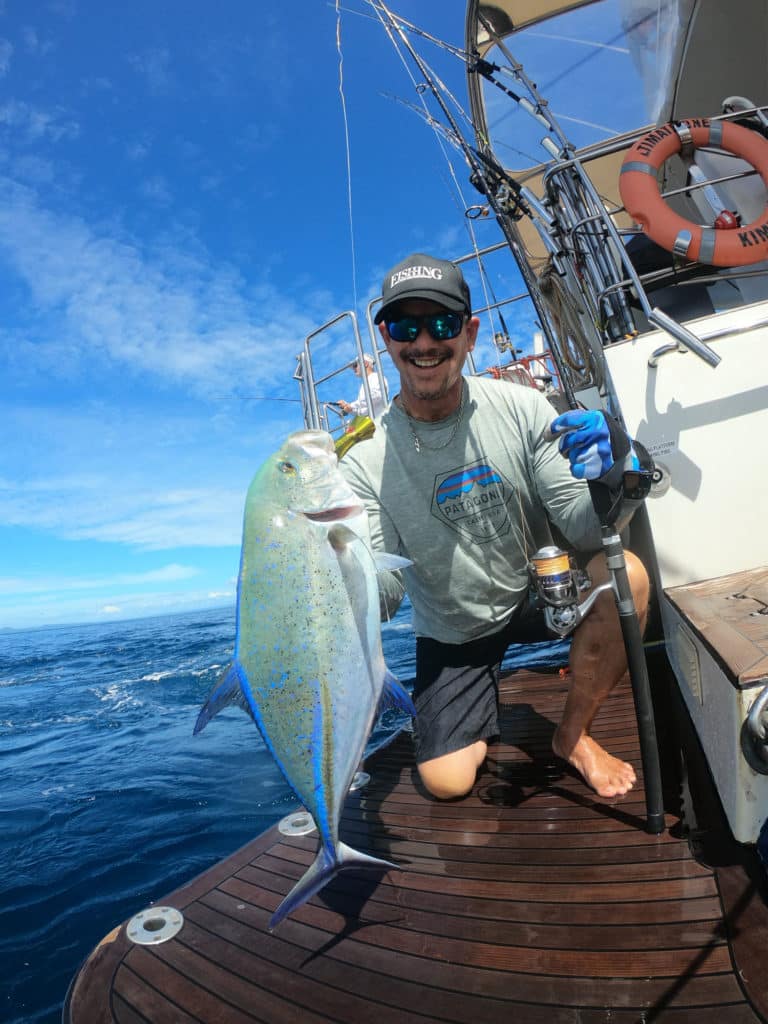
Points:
[[473, 501], [463, 482]]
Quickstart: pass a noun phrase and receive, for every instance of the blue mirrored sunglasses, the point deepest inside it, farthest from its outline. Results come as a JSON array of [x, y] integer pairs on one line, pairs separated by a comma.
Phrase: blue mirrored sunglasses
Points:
[[440, 326]]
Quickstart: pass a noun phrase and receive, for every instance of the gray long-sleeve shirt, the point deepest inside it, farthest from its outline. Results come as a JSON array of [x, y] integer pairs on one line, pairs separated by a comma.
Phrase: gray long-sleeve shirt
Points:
[[470, 514]]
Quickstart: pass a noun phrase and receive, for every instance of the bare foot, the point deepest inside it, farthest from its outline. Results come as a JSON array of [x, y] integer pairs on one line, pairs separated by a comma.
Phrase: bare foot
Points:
[[606, 774]]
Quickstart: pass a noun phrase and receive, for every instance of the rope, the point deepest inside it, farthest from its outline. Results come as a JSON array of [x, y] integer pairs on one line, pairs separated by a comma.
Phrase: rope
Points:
[[573, 345]]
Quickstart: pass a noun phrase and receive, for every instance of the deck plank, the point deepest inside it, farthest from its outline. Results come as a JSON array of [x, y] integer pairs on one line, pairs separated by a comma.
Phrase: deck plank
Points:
[[529, 900]]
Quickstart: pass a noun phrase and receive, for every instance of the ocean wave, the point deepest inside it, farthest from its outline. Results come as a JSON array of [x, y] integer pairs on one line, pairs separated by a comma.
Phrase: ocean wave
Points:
[[113, 803], [396, 627], [180, 671], [117, 696], [155, 677]]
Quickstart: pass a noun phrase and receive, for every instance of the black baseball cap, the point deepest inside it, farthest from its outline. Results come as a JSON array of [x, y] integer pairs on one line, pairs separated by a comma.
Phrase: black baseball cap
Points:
[[424, 277]]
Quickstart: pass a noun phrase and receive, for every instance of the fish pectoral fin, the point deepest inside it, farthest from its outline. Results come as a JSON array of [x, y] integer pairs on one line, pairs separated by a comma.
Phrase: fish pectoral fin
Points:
[[326, 866], [226, 691], [340, 537], [390, 563], [394, 695]]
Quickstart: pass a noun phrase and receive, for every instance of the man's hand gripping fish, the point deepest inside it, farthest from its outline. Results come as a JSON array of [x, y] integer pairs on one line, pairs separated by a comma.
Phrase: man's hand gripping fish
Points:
[[308, 662]]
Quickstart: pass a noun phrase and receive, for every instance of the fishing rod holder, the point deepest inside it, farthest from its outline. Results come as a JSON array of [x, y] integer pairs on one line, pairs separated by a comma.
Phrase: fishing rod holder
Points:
[[557, 584]]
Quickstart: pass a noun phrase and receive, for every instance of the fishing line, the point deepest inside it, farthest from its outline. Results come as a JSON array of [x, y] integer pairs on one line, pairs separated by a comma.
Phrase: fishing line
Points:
[[348, 154], [433, 82]]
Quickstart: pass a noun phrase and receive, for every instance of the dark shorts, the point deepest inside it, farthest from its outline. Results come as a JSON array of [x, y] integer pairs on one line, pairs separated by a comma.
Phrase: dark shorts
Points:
[[456, 691]]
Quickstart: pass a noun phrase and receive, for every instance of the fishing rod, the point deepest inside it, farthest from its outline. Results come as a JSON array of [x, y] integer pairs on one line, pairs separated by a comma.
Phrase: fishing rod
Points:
[[606, 508], [516, 201], [509, 200], [393, 25]]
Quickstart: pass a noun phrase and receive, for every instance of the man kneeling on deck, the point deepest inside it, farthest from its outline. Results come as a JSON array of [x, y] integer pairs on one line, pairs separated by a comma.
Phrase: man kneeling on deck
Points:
[[459, 479]]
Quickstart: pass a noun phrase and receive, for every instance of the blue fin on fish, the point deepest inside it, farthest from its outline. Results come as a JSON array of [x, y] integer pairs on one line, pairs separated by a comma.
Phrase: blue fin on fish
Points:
[[395, 696], [326, 865], [226, 691]]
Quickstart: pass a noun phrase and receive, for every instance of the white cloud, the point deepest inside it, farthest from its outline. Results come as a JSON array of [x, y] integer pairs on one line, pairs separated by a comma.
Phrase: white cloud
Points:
[[20, 587], [37, 124], [154, 480], [6, 52], [33, 43], [166, 311], [154, 67], [157, 190], [137, 150], [94, 84], [110, 511], [62, 608]]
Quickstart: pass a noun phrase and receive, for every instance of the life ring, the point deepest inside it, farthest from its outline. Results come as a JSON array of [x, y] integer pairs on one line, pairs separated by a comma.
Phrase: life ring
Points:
[[639, 190]]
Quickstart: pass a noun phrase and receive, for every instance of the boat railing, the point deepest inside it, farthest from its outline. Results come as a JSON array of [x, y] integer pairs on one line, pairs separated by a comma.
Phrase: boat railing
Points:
[[590, 248], [327, 415], [538, 369], [501, 338], [590, 251]]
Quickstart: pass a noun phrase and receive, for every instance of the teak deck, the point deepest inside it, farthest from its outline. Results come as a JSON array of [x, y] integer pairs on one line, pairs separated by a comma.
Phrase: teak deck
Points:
[[529, 901]]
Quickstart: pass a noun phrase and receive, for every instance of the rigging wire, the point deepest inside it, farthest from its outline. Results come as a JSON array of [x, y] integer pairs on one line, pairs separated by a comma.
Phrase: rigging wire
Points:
[[348, 154], [253, 398], [451, 134]]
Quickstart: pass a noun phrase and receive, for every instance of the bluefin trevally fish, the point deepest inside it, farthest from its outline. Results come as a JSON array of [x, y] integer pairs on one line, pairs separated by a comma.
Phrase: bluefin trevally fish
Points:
[[308, 663]]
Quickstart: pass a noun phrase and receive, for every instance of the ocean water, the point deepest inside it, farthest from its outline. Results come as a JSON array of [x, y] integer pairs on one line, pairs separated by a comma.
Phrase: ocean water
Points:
[[107, 802]]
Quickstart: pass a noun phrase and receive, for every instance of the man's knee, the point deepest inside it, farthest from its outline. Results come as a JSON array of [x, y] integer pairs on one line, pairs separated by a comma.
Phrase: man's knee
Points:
[[636, 574], [639, 581], [453, 775]]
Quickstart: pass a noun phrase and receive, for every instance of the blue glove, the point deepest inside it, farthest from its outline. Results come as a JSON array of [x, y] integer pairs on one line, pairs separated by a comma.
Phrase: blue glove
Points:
[[594, 443]]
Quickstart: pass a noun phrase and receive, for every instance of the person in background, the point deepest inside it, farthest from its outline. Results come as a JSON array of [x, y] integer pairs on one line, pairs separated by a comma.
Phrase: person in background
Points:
[[460, 478], [360, 406]]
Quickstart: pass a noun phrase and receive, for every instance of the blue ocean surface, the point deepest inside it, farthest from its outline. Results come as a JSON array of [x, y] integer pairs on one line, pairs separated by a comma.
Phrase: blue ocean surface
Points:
[[107, 802]]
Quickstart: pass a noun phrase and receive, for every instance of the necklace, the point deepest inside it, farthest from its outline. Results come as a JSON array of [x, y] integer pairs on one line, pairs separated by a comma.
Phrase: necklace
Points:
[[419, 443]]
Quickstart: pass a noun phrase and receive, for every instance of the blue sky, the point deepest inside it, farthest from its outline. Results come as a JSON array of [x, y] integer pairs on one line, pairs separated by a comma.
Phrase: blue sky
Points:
[[174, 219]]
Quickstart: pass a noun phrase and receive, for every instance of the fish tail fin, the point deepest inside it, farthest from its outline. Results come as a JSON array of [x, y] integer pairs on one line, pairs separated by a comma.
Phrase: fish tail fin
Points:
[[326, 866], [226, 691], [394, 695]]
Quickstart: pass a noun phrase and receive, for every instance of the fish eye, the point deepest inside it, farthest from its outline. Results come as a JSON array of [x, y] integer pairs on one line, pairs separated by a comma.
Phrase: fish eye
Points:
[[287, 467]]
